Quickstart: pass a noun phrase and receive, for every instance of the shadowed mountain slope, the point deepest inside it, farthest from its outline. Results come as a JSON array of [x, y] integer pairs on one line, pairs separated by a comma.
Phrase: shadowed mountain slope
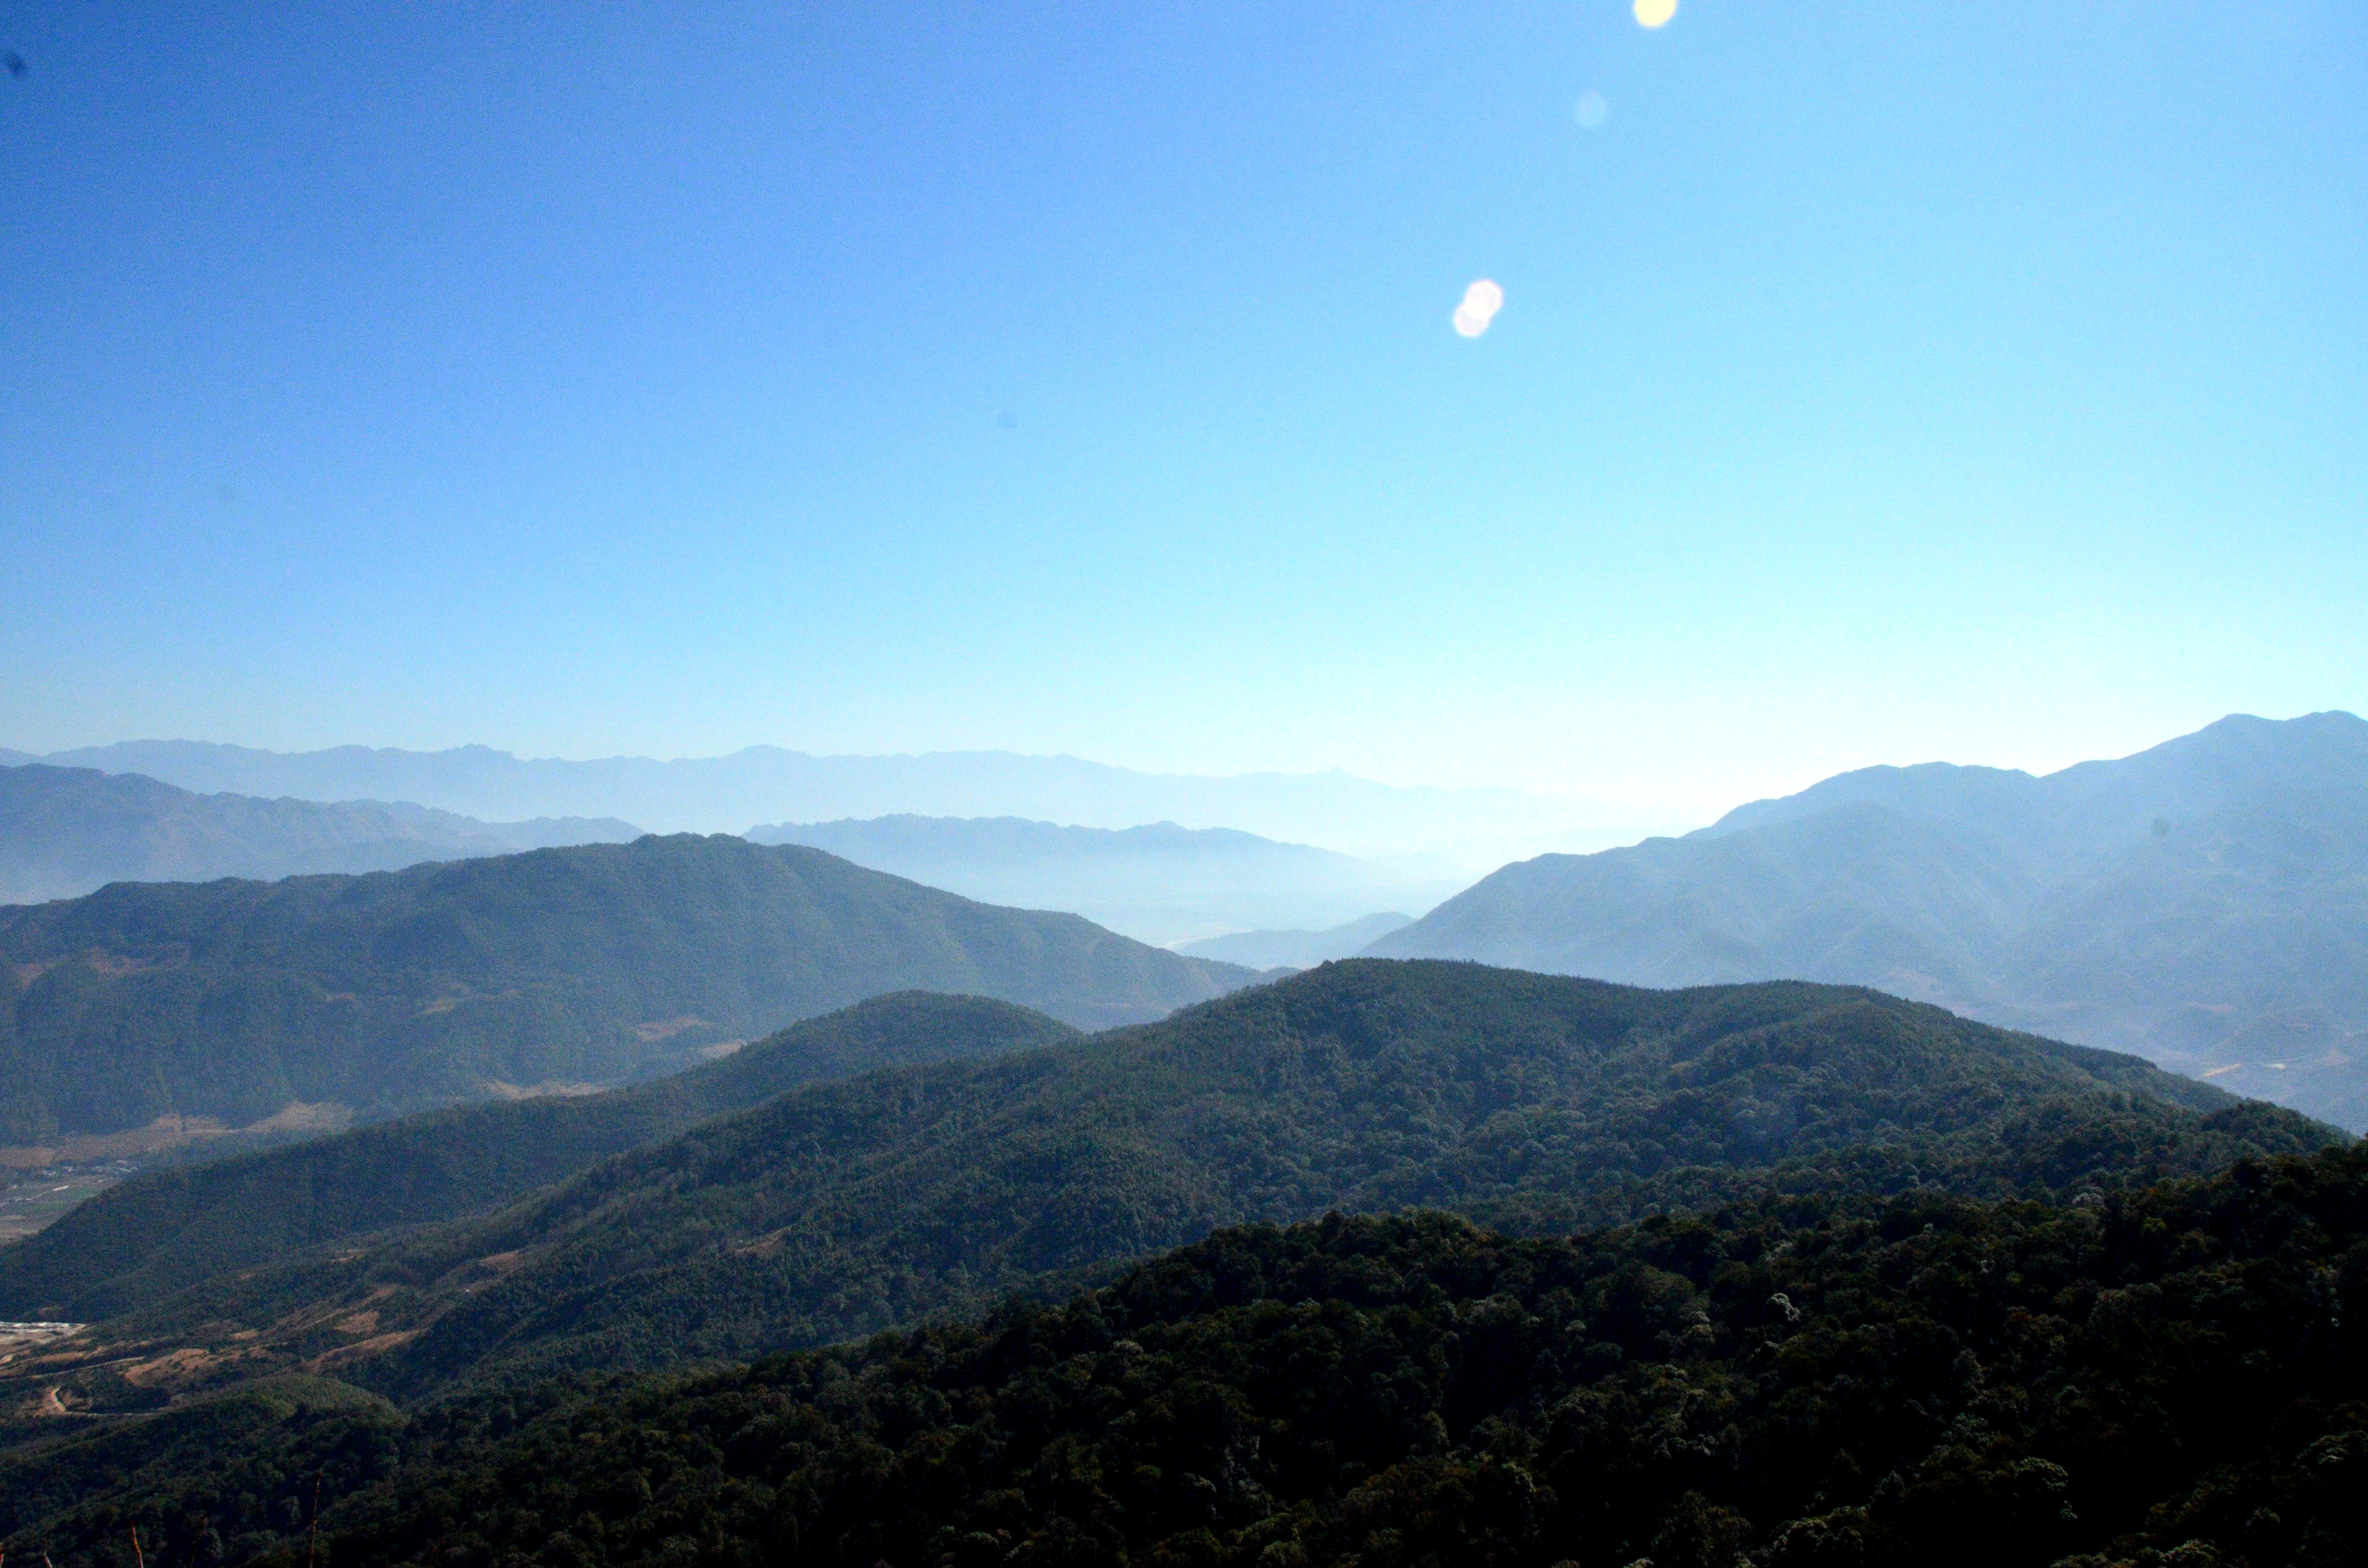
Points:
[[168, 1229], [561, 967], [2204, 904], [68, 831], [1534, 1102], [2171, 1376]]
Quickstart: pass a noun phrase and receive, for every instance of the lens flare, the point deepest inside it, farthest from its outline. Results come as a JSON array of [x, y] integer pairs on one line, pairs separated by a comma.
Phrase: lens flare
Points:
[[1654, 13], [1594, 109], [1481, 303]]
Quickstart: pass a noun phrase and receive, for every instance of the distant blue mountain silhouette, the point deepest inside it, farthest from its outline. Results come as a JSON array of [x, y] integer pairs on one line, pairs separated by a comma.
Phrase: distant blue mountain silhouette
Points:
[[2203, 902]]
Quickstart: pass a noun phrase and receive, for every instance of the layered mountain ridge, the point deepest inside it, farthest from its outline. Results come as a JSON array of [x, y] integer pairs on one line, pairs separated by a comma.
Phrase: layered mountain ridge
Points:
[[1530, 1102], [771, 784], [555, 970], [69, 831], [2203, 904], [1159, 881]]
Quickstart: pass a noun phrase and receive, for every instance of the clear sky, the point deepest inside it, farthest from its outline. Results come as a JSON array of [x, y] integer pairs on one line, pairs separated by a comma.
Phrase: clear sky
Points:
[[1872, 382]]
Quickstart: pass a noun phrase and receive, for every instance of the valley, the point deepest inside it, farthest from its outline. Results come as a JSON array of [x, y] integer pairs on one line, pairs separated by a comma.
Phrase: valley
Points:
[[30, 1203]]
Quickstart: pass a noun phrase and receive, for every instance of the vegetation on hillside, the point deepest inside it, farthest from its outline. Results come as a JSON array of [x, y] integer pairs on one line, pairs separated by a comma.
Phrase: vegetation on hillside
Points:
[[2173, 1374], [169, 1229], [1532, 1103], [407, 989]]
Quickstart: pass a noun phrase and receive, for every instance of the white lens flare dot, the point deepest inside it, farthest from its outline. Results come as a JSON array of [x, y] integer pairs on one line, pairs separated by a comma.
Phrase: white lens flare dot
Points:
[[1594, 109], [1481, 304]]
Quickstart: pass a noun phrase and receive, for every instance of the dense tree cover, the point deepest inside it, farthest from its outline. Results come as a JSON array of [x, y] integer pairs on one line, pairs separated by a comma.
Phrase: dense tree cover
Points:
[[402, 989], [219, 1479], [168, 1229], [2175, 1374], [1534, 1103]]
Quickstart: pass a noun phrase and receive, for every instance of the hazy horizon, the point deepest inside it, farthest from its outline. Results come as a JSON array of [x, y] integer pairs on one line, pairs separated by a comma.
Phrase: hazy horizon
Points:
[[1863, 383], [1502, 822]]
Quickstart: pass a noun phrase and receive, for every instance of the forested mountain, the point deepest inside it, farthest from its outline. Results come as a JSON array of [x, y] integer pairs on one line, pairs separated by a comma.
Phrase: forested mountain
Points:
[[708, 794], [1296, 949], [139, 1241], [1160, 883], [2203, 904], [559, 968], [1531, 1102], [2167, 1377], [67, 831]]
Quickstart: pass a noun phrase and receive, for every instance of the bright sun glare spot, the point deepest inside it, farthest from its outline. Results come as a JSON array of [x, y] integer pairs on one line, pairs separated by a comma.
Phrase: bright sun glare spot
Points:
[[1481, 304], [1654, 13]]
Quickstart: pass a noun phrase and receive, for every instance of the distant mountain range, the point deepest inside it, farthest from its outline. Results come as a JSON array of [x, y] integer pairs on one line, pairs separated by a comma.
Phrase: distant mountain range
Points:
[[1478, 828], [1160, 883], [555, 970], [68, 831], [2203, 902], [1297, 950]]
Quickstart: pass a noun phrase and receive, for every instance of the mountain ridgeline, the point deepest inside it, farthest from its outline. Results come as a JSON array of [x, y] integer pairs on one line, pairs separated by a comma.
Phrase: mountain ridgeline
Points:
[[68, 831], [140, 1242], [556, 969], [1535, 1104], [2169, 1376], [769, 784], [1296, 949], [2203, 904], [1795, 1383]]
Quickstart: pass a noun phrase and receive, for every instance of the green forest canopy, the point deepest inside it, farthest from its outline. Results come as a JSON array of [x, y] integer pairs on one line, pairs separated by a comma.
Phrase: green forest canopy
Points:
[[140, 1241], [2167, 1375], [1534, 1103], [402, 989]]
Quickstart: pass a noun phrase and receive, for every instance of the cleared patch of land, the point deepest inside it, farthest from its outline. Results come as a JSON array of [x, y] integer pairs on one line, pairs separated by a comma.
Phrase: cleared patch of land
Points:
[[31, 1204]]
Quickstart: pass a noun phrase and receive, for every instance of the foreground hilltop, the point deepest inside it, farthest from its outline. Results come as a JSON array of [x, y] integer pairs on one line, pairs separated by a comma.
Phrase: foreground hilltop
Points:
[[1530, 1102], [2203, 904], [2172, 1376], [1927, 1380], [557, 969]]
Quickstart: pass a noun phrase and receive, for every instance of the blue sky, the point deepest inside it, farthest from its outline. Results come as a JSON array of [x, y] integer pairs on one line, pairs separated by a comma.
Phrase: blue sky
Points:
[[1875, 383]]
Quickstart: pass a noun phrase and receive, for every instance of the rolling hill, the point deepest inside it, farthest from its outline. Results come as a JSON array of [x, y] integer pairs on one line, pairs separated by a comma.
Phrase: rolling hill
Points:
[[167, 1229], [553, 970], [1529, 1102], [2203, 904], [1791, 1384], [1160, 883], [68, 831]]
